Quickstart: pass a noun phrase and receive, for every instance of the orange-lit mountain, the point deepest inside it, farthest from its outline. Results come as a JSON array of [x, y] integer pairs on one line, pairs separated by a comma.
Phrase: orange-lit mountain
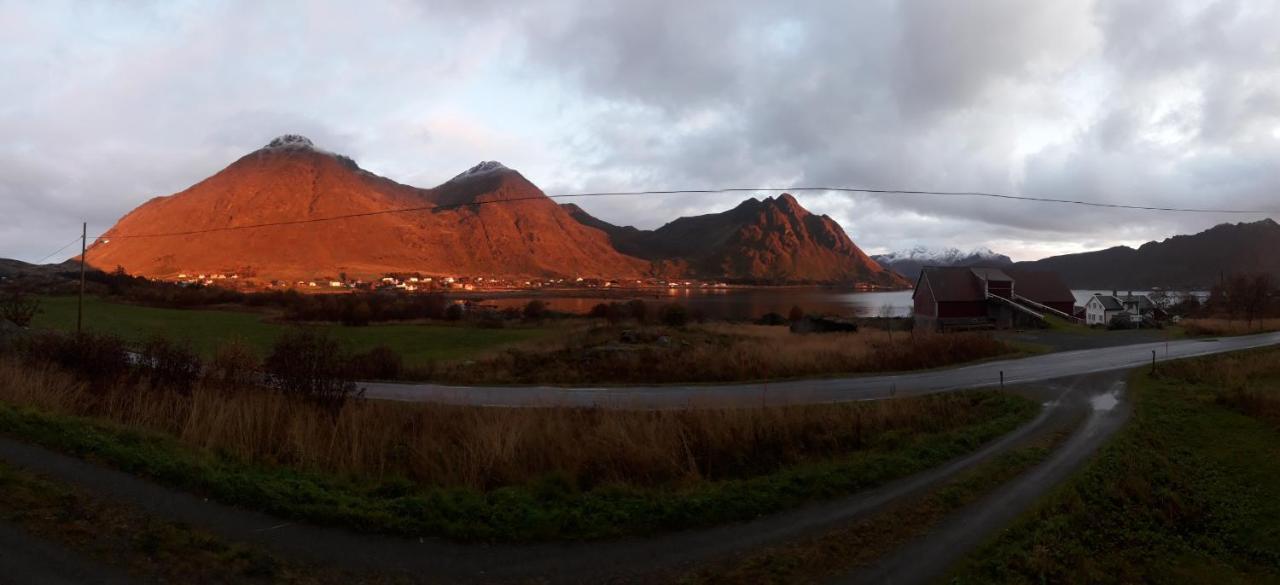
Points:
[[774, 240], [487, 221], [290, 180]]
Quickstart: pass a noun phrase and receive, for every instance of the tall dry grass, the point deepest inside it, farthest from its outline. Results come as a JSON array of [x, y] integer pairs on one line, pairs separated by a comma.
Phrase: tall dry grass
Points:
[[721, 353], [1219, 326], [1248, 382], [490, 447]]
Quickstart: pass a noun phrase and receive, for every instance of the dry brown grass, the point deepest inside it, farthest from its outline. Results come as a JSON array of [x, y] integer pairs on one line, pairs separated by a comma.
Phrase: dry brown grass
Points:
[[1218, 326], [489, 447], [1248, 382], [721, 353]]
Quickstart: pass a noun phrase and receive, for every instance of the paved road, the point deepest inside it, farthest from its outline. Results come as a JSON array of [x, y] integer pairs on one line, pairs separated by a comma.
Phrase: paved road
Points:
[[1041, 367]]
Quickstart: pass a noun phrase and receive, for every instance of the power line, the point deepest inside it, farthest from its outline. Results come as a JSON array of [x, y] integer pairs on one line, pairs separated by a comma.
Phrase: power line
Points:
[[50, 255], [698, 192]]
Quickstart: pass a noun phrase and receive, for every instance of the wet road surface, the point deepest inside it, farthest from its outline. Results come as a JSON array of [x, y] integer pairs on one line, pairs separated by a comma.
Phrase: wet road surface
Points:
[[819, 391]]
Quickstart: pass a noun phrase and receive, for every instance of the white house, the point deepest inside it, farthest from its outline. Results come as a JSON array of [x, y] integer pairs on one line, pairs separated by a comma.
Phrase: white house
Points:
[[1101, 309]]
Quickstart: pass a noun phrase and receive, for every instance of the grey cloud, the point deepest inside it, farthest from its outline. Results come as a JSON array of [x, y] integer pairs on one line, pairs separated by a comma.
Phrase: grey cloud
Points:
[[1145, 101]]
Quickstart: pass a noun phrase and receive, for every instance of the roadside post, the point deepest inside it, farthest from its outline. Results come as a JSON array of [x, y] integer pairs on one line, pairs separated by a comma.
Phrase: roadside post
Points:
[[1153, 361], [1001, 380]]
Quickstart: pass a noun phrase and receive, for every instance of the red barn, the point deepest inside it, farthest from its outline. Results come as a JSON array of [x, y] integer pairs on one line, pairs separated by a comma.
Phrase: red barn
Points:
[[967, 298]]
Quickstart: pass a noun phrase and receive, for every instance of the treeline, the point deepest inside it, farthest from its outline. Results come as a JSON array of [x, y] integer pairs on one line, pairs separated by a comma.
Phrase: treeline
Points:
[[305, 363], [1244, 296]]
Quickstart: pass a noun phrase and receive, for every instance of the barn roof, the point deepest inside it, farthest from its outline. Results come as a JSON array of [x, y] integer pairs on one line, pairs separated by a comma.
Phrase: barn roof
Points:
[[953, 284], [1040, 286], [991, 274]]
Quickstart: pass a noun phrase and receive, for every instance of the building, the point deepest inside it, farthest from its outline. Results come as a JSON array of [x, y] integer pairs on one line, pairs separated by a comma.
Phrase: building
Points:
[[1101, 309], [952, 297]]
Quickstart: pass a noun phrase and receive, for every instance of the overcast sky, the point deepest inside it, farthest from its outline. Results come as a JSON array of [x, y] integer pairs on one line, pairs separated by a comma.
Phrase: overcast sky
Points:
[[1158, 102]]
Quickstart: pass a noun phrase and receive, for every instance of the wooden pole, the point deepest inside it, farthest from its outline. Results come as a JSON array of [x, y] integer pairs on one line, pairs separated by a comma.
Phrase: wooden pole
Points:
[[84, 233]]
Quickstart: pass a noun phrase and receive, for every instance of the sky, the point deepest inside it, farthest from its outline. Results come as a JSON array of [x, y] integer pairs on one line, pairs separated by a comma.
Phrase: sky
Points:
[[1151, 102]]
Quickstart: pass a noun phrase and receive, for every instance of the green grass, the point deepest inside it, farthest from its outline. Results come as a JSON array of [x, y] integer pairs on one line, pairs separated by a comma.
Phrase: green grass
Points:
[[549, 508], [1188, 492], [206, 329]]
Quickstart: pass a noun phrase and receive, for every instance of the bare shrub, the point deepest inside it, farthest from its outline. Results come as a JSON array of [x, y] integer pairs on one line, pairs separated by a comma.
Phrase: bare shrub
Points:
[[311, 365], [234, 365], [169, 364], [102, 359], [379, 363], [18, 308]]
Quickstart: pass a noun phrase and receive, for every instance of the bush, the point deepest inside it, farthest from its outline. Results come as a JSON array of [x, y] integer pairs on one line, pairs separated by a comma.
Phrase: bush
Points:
[[169, 364], [771, 319], [234, 365], [311, 365], [638, 310], [379, 363], [796, 314], [535, 310], [356, 313], [674, 315], [19, 309], [98, 358], [454, 312]]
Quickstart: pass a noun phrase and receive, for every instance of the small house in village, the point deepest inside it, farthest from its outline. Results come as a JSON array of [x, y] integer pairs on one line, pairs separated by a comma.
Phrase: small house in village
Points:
[[1101, 309], [951, 297]]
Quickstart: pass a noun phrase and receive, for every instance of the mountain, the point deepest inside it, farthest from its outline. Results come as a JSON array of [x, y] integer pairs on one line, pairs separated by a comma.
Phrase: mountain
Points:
[[1180, 262], [455, 231], [772, 240], [909, 262]]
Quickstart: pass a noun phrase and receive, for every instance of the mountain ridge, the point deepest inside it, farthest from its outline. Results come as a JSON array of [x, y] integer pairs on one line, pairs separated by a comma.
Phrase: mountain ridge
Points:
[[297, 190], [1184, 261]]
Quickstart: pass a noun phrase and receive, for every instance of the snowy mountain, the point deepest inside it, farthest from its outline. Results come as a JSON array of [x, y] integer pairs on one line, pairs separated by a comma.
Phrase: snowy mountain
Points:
[[909, 262]]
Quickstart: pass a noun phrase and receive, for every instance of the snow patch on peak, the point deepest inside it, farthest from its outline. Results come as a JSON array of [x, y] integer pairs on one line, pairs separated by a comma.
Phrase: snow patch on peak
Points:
[[291, 141], [484, 168]]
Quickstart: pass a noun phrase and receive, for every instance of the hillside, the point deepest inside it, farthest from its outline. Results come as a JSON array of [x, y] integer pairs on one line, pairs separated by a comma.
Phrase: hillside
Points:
[[290, 180], [1180, 262], [772, 240]]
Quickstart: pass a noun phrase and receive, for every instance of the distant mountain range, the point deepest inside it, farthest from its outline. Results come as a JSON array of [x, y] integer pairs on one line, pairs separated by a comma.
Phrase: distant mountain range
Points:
[[774, 240], [270, 214], [909, 262], [1180, 262]]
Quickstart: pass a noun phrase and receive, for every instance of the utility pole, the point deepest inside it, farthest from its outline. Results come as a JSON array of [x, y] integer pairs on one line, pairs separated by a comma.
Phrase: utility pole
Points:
[[84, 233]]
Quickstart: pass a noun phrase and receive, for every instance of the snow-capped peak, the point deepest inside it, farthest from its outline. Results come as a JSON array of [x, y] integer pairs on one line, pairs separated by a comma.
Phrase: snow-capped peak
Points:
[[484, 168], [944, 257], [291, 141]]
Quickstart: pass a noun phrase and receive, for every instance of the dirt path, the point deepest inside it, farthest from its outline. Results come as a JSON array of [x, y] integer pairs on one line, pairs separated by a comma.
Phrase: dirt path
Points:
[[929, 558], [616, 561]]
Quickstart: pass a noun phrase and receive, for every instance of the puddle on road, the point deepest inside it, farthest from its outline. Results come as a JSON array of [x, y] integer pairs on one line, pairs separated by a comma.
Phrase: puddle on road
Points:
[[1104, 402]]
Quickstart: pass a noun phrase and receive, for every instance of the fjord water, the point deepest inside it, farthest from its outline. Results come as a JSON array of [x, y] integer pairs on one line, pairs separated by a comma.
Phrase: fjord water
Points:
[[744, 303]]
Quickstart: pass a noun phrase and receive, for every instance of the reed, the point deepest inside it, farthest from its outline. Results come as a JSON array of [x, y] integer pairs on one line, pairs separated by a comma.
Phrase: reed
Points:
[[487, 448]]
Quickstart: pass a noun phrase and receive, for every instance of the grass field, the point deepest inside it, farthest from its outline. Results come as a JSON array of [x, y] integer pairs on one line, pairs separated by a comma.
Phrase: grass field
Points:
[[206, 329], [1189, 492]]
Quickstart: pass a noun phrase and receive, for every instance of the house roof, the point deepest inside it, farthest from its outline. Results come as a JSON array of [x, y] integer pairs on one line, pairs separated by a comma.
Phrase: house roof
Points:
[[1144, 302], [1040, 286], [991, 274], [953, 284], [1109, 303]]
